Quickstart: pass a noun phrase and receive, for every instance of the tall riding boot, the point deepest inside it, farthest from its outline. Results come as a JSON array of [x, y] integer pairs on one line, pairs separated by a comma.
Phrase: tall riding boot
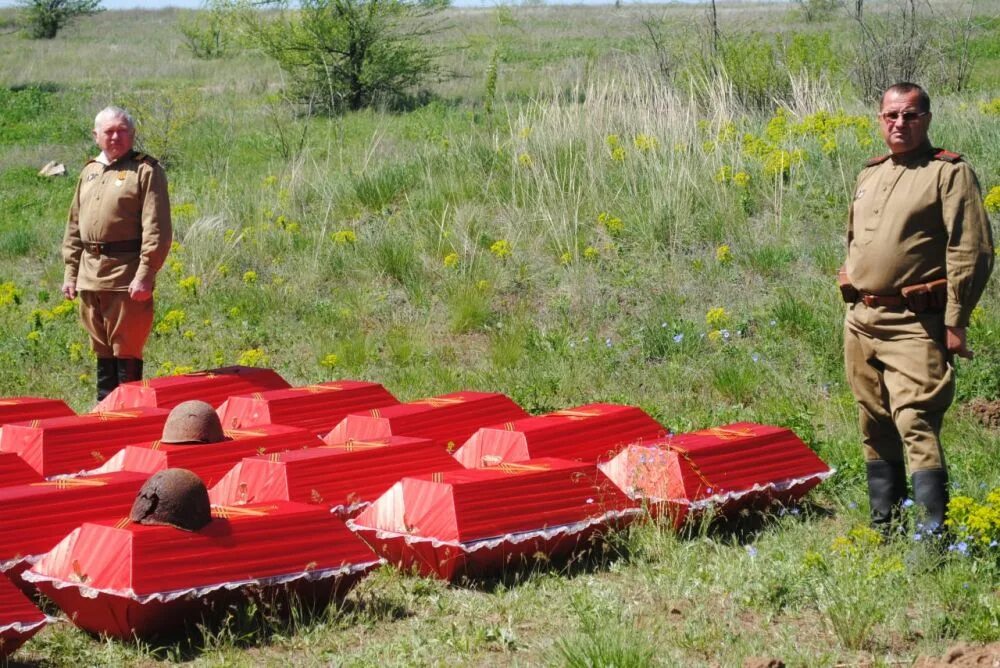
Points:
[[886, 491], [930, 491], [107, 376], [129, 370]]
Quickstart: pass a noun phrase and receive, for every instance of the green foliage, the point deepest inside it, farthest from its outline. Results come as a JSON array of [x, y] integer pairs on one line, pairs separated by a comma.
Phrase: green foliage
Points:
[[752, 66], [209, 32], [349, 54], [162, 117], [45, 18]]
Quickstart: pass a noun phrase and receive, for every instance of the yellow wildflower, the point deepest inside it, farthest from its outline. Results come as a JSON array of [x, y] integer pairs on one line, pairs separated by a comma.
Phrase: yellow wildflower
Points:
[[229, 235], [723, 254], [591, 253], [524, 132], [612, 141], [329, 361], [450, 260], [235, 312], [566, 259], [715, 336], [252, 357], [75, 351], [991, 108], [10, 294], [992, 203], [176, 247], [646, 143], [223, 269], [742, 179], [63, 308], [618, 154], [186, 210], [612, 224], [482, 285], [344, 237], [525, 160], [190, 284], [501, 248], [717, 318], [249, 276], [181, 370], [176, 266], [170, 322], [270, 181], [724, 174], [188, 334], [34, 336], [978, 315]]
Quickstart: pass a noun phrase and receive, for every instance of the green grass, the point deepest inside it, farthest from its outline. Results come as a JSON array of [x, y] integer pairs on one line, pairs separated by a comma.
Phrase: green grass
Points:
[[370, 252]]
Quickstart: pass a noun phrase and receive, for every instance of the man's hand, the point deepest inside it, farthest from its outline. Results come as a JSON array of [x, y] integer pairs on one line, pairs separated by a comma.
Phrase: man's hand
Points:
[[955, 342], [69, 289], [139, 290]]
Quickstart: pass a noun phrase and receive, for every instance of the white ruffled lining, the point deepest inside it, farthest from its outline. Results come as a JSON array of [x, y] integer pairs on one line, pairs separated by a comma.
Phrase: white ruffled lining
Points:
[[513, 538], [198, 592], [719, 499], [31, 560], [21, 627]]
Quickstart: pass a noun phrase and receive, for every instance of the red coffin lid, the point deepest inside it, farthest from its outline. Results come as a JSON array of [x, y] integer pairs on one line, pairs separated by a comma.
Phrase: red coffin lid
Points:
[[240, 545], [586, 433], [33, 518], [17, 612], [715, 463], [448, 419], [213, 386], [476, 504], [317, 408], [336, 476], [21, 409], [15, 471], [60, 445], [210, 461]]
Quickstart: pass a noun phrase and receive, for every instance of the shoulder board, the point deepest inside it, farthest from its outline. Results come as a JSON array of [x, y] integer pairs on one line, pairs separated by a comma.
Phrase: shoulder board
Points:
[[146, 158], [947, 156], [878, 161]]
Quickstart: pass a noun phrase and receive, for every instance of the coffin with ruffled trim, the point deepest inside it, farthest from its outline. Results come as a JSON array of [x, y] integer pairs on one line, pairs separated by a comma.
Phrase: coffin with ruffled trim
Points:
[[318, 408], [723, 468], [481, 523], [125, 579], [587, 433], [35, 517], [344, 477], [449, 419], [62, 445], [213, 386], [210, 461], [19, 618]]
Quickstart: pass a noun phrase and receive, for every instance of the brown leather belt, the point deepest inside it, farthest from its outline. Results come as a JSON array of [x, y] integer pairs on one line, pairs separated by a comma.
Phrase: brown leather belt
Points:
[[110, 247], [889, 301]]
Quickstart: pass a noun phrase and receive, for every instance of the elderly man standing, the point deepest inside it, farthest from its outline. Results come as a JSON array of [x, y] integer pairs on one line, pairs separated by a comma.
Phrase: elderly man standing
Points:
[[117, 237], [919, 253]]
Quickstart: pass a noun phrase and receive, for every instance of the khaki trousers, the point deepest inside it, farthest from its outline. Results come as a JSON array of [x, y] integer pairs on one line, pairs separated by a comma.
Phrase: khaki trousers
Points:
[[118, 325], [903, 380]]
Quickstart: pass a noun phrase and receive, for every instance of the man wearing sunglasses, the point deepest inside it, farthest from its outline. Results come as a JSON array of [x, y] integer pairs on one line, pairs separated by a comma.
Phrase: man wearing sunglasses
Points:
[[919, 253]]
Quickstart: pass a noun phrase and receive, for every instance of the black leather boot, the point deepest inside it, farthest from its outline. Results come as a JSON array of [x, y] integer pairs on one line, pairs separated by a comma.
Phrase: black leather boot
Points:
[[930, 492], [886, 491], [129, 370], [107, 376]]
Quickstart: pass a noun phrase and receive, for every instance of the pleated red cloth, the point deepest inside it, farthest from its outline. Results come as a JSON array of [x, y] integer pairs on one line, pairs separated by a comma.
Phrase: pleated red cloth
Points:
[[124, 578], [586, 433], [61, 445], [210, 461], [19, 618], [479, 522], [212, 385], [15, 471], [342, 477], [448, 419], [21, 409], [318, 408], [725, 468]]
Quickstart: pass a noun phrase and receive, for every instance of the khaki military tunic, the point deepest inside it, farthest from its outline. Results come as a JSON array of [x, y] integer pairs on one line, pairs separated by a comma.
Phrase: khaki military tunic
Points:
[[123, 202], [914, 219]]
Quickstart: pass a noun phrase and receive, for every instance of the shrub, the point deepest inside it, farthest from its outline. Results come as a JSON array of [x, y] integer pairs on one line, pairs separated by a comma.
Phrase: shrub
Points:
[[45, 18]]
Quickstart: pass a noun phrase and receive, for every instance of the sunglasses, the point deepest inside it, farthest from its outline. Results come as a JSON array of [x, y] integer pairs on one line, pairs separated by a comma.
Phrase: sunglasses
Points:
[[906, 116]]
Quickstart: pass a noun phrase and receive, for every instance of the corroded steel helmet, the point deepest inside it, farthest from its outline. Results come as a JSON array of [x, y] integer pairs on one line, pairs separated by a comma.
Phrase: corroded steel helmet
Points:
[[192, 422], [173, 497]]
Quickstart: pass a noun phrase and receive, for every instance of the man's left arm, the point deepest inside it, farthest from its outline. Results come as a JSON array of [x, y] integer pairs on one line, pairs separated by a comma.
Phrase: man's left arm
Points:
[[969, 254], [157, 232]]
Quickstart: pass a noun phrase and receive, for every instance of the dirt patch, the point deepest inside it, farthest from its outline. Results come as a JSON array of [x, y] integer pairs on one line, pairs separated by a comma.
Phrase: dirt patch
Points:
[[763, 663], [987, 412], [966, 656]]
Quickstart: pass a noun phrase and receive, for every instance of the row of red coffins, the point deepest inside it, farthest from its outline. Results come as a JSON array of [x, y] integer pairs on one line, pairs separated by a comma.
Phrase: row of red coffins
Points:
[[19, 618]]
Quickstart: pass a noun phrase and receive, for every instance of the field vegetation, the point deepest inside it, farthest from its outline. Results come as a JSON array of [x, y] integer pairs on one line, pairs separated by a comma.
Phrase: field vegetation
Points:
[[585, 204]]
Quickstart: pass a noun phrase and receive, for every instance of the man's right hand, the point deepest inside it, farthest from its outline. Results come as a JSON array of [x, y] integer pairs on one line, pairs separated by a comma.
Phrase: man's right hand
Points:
[[69, 290]]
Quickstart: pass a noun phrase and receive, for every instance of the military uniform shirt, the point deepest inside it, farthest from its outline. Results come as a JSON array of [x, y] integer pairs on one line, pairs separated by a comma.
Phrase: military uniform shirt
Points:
[[918, 218], [124, 201]]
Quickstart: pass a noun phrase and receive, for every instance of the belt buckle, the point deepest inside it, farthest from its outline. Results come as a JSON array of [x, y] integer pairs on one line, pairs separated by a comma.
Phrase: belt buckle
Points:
[[871, 301]]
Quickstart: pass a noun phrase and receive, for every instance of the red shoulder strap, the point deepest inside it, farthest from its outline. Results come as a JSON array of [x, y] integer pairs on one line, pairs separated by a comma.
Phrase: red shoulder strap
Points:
[[879, 160], [947, 156]]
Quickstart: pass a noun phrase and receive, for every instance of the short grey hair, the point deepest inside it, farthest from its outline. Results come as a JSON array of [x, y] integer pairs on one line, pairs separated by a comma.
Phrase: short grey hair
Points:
[[109, 113]]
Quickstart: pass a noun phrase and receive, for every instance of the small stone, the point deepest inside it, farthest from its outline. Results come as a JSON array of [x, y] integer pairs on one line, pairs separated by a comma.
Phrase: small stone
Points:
[[53, 168]]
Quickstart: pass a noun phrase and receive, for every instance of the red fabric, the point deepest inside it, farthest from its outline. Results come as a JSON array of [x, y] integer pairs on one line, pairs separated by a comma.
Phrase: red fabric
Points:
[[21, 409], [213, 386], [422, 516], [586, 433], [132, 565], [335, 476], [448, 419], [731, 466], [211, 461], [317, 408], [33, 518], [61, 445], [19, 618], [15, 471]]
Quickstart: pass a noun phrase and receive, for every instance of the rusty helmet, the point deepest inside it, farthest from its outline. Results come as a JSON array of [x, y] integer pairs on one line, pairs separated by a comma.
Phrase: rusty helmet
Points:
[[192, 422], [173, 497]]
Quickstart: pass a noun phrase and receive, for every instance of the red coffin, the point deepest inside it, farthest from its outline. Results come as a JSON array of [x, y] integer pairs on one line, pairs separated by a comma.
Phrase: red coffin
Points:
[[124, 579], [343, 477], [448, 420], [317, 408], [477, 522], [724, 468], [33, 518], [213, 386], [19, 618], [61, 445], [587, 433], [13, 469], [210, 461]]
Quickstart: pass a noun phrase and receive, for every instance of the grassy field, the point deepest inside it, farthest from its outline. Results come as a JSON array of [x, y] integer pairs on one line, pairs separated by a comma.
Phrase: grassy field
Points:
[[604, 233]]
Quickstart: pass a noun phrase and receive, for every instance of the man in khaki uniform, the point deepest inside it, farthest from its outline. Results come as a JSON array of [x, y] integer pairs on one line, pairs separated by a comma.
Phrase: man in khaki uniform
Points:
[[117, 237], [919, 253]]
